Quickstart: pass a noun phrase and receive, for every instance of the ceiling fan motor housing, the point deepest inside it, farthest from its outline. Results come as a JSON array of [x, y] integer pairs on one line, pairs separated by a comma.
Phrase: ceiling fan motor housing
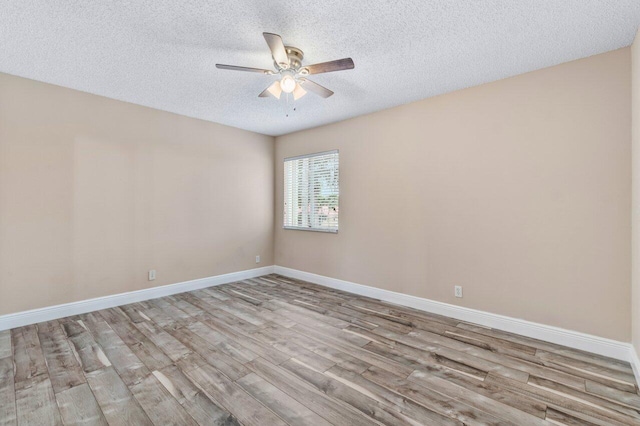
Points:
[[295, 56]]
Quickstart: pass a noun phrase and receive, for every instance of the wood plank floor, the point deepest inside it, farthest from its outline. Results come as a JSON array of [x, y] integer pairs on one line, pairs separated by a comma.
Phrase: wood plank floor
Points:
[[276, 351]]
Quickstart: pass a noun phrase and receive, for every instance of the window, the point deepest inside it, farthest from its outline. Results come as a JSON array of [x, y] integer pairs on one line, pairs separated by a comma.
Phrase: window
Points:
[[311, 192]]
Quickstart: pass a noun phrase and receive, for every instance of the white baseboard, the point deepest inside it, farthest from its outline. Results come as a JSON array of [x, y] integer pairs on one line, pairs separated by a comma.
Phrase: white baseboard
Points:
[[635, 362], [573, 339], [75, 308]]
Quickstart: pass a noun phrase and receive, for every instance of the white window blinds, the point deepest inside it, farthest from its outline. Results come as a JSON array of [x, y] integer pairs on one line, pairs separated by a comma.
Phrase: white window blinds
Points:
[[311, 192]]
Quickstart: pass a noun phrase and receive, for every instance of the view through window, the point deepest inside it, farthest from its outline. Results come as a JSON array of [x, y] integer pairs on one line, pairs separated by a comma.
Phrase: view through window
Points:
[[311, 192]]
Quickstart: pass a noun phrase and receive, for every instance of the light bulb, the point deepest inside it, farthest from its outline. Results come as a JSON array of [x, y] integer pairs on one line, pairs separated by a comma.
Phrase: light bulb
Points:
[[288, 83]]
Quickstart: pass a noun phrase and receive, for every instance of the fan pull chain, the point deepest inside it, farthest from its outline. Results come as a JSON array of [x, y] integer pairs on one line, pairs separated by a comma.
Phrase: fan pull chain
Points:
[[287, 106]]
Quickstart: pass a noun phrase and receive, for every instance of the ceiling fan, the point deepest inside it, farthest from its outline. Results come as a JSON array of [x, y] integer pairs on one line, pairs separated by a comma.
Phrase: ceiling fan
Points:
[[288, 63]]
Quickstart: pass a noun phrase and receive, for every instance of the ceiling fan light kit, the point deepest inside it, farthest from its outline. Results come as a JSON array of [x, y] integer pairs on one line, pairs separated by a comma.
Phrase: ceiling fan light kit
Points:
[[288, 64], [287, 83]]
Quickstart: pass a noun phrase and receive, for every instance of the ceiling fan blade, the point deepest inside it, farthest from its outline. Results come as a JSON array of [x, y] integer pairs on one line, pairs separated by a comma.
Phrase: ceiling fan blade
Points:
[[273, 90], [337, 65], [278, 52], [298, 92], [236, 68], [315, 88]]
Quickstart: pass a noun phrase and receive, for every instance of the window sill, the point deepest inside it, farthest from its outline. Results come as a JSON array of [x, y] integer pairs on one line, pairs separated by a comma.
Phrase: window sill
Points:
[[295, 228]]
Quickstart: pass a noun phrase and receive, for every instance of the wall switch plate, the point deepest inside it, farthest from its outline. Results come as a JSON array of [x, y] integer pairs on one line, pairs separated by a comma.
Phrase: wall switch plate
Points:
[[257, 259], [152, 274], [458, 291]]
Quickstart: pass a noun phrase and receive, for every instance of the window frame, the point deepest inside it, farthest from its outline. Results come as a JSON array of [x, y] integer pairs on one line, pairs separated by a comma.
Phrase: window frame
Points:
[[307, 156]]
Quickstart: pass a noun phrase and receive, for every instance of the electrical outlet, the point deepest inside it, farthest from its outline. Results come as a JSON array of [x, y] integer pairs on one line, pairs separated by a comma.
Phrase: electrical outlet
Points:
[[458, 291], [257, 259], [152, 274]]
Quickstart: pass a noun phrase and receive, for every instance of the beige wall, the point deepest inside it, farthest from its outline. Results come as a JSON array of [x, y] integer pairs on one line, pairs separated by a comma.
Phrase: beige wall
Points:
[[95, 192], [517, 190], [635, 210]]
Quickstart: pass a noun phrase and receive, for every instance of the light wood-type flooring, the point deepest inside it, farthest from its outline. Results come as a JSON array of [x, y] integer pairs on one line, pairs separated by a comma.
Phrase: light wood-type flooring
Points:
[[275, 351]]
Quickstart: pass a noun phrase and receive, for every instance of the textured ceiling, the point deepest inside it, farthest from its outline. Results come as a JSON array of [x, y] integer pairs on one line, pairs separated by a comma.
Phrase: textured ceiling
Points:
[[162, 53]]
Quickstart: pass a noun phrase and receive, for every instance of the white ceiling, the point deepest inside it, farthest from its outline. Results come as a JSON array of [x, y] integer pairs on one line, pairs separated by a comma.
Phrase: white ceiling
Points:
[[162, 53]]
